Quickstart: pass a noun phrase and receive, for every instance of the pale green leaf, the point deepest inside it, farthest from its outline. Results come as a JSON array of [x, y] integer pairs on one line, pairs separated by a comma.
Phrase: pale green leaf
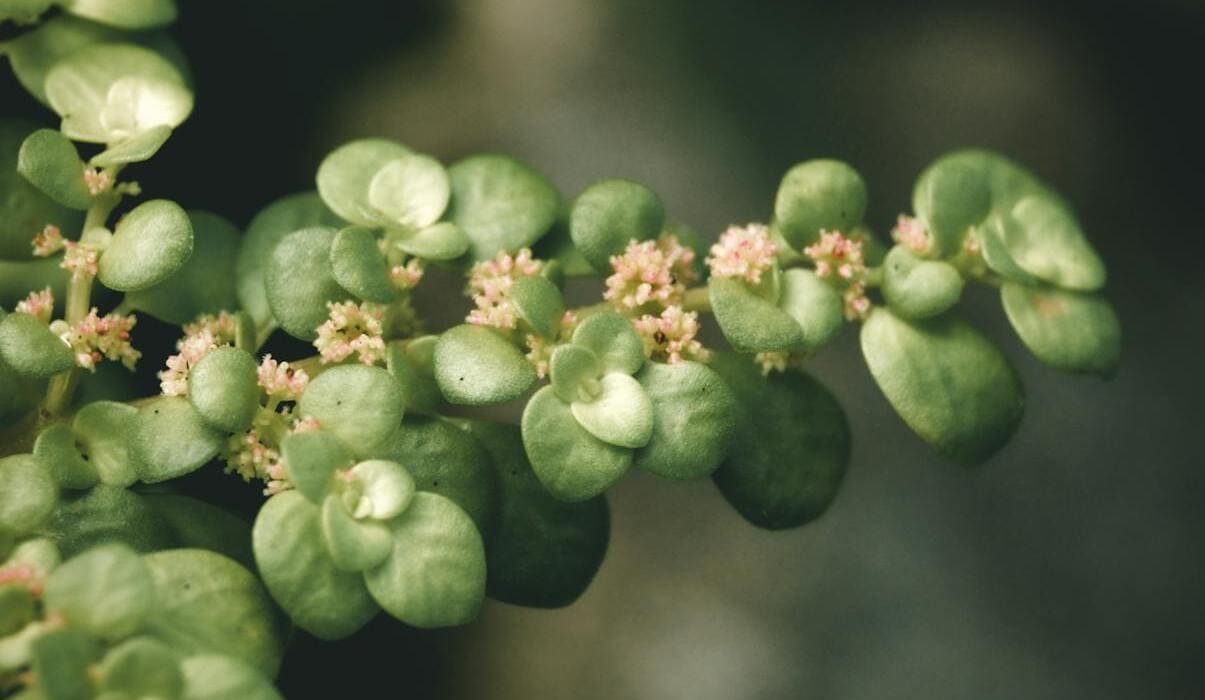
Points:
[[610, 214], [620, 413], [500, 204], [571, 463], [475, 365], [150, 243]]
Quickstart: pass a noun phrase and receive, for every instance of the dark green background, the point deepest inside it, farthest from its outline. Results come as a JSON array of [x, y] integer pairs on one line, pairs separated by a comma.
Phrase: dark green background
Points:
[[1068, 566]]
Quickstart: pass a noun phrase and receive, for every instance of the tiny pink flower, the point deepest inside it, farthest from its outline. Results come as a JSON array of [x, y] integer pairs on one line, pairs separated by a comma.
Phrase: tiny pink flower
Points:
[[540, 348], [48, 241], [281, 381], [650, 272], [743, 252], [670, 337], [80, 260], [97, 181], [772, 361], [221, 327], [97, 337], [173, 381], [306, 425], [351, 329], [40, 305], [406, 277], [911, 232], [489, 286], [857, 304]]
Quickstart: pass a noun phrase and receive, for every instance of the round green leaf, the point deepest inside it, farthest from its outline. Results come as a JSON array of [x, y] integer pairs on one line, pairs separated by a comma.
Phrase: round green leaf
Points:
[[346, 174], [620, 414], [209, 603], [570, 366], [1067, 330], [361, 405], [169, 438], [136, 149], [917, 288], [108, 93], [30, 348], [750, 323], [311, 460], [102, 430], [49, 161], [201, 285], [443, 459], [818, 195], [61, 662], [539, 303], [141, 667], [127, 14], [790, 449], [948, 383], [412, 190], [299, 573], [386, 488], [105, 514], [991, 236], [270, 225], [441, 241], [694, 419], [149, 244], [411, 364], [541, 552], [56, 448], [613, 340], [196, 524], [571, 463], [106, 591], [475, 365], [359, 267], [29, 493], [435, 575], [610, 214], [299, 281], [224, 388], [951, 196], [1049, 245], [500, 204], [354, 545], [24, 210], [814, 305], [217, 677]]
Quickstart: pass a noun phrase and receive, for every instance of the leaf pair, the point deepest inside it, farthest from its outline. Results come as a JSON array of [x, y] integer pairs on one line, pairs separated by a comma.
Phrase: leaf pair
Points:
[[794, 310]]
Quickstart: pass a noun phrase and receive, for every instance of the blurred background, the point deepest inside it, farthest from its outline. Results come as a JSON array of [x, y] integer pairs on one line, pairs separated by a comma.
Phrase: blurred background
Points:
[[1068, 566]]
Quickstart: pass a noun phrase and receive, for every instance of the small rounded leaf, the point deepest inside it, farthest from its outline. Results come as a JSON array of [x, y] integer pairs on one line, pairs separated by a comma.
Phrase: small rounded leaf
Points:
[[571, 463], [345, 175], [386, 489], [610, 214], [1071, 331], [435, 575], [948, 383], [818, 195], [102, 430], [951, 196], [570, 366], [620, 414], [613, 340], [412, 190], [149, 244], [136, 149], [49, 161], [359, 267], [361, 405], [57, 449], [354, 545], [750, 323], [299, 573], [500, 204], [224, 389], [29, 347], [24, 210], [29, 493], [539, 303], [169, 438], [311, 460], [694, 420], [917, 288], [107, 513], [201, 285], [441, 241], [106, 591], [814, 305], [475, 365], [1049, 245], [299, 281]]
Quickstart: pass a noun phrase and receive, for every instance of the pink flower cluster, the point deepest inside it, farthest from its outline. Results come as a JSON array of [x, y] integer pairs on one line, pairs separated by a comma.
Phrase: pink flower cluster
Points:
[[772, 361], [352, 328], [406, 277], [489, 286], [22, 574], [98, 337], [650, 271], [48, 241], [97, 181], [670, 337], [40, 305], [839, 259], [280, 381], [247, 455], [911, 232], [540, 349], [173, 381], [80, 260], [222, 327], [744, 252]]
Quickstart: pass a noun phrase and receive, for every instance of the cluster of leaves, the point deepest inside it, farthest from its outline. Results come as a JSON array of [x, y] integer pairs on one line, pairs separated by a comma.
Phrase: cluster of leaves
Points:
[[378, 499]]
